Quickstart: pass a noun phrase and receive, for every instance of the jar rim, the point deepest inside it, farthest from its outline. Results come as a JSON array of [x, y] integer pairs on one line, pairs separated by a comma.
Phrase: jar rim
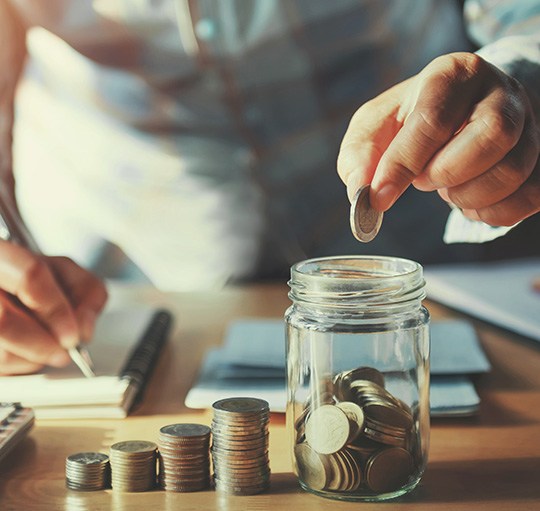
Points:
[[391, 262], [357, 279]]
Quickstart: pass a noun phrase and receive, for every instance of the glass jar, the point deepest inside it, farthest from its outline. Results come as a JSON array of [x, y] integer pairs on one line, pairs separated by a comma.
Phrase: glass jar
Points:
[[358, 376]]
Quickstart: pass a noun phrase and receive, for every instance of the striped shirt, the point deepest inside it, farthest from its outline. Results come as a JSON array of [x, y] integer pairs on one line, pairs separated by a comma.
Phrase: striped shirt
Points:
[[201, 136]]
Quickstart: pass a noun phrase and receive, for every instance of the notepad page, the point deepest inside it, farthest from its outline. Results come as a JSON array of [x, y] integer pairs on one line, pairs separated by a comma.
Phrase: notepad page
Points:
[[116, 334]]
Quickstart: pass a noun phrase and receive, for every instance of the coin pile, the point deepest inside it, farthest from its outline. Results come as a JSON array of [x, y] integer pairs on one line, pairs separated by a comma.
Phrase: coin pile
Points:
[[88, 471], [133, 465], [240, 445], [184, 460], [364, 441]]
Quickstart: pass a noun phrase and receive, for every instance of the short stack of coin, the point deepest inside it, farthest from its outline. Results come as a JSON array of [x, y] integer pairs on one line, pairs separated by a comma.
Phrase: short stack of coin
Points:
[[184, 460], [364, 441], [87, 471], [240, 445], [133, 465]]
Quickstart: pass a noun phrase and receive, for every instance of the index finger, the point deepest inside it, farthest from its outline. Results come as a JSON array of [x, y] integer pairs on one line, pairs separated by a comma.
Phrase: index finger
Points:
[[87, 293], [372, 128], [28, 277], [443, 100]]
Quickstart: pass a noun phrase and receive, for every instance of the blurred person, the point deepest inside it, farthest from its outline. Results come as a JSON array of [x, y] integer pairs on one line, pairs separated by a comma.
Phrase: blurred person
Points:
[[193, 143]]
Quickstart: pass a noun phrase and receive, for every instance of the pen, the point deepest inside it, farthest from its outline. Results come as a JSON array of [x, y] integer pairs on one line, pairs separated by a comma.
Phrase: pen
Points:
[[12, 228]]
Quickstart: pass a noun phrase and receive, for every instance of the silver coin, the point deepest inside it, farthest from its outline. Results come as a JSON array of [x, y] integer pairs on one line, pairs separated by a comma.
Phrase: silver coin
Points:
[[88, 458], [241, 405], [185, 430], [241, 490], [365, 221], [231, 463], [133, 447], [81, 487]]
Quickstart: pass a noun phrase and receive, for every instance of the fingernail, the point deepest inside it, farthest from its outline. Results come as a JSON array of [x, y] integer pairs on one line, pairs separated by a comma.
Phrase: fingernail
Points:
[[59, 358], [385, 197], [353, 185], [443, 193], [423, 183], [88, 322], [471, 214], [67, 336]]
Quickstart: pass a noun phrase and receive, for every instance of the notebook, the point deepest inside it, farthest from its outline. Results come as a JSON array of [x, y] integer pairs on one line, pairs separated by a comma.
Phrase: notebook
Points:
[[501, 293], [124, 349], [251, 362]]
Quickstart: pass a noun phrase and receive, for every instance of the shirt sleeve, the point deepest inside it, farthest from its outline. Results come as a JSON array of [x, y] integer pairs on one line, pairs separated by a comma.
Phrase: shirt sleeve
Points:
[[508, 34]]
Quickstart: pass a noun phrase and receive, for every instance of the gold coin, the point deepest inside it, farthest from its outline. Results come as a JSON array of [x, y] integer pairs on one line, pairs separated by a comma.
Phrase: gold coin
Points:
[[367, 374], [388, 414], [347, 468], [383, 438], [365, 221], [337, 471], [356, 472], [356, 418], [389, 469], [327, 429], [311, 469]]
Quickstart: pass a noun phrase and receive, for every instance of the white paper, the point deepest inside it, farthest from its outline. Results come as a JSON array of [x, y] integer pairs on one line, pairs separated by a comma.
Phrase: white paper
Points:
[[500, 293], [116, 334]]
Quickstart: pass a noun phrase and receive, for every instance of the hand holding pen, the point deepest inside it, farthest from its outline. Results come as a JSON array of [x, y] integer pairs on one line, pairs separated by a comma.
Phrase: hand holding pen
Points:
[[47, 304]]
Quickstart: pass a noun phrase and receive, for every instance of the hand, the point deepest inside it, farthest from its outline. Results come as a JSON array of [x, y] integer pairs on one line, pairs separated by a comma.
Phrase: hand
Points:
[[47, 304], [461, 127]]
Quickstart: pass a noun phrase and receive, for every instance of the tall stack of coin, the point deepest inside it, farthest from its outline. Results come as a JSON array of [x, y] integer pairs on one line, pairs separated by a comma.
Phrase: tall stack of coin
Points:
[[184, 460], [363, 441], [240, 445], [87, 471], [133, 465]]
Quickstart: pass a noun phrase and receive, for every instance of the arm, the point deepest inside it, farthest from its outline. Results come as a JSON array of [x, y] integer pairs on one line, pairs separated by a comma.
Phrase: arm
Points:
[[47, 304], [12, 57], [463, 127]]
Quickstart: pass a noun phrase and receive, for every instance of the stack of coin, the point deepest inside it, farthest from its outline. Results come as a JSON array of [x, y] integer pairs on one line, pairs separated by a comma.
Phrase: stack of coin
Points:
[[240, 445], [88, 471], [133, 465], [364, 441], [184, 460]]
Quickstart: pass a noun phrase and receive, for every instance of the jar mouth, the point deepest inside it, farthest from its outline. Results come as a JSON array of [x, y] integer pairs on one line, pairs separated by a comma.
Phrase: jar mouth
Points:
[[350, 280]]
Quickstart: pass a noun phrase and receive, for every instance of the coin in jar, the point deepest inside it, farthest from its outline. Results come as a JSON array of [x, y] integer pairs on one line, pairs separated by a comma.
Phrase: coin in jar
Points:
[[389, 469], [327, 429], [311, 469]]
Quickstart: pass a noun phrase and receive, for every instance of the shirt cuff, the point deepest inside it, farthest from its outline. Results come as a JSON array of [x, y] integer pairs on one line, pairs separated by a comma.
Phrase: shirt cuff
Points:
[[459, 229]]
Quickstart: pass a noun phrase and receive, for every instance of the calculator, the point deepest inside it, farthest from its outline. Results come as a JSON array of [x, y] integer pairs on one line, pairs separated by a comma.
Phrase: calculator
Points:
[[15, 422]]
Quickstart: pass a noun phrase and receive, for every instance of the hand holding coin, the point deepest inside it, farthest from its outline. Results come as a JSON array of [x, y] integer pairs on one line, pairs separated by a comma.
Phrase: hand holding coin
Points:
[[461, 127]]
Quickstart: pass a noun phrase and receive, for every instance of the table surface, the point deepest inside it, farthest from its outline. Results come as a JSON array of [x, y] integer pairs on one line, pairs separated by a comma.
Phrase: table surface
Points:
[[491, 461]]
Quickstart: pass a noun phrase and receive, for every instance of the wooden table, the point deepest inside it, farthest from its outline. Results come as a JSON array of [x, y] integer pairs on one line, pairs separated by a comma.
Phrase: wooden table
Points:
[[490, 462]]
